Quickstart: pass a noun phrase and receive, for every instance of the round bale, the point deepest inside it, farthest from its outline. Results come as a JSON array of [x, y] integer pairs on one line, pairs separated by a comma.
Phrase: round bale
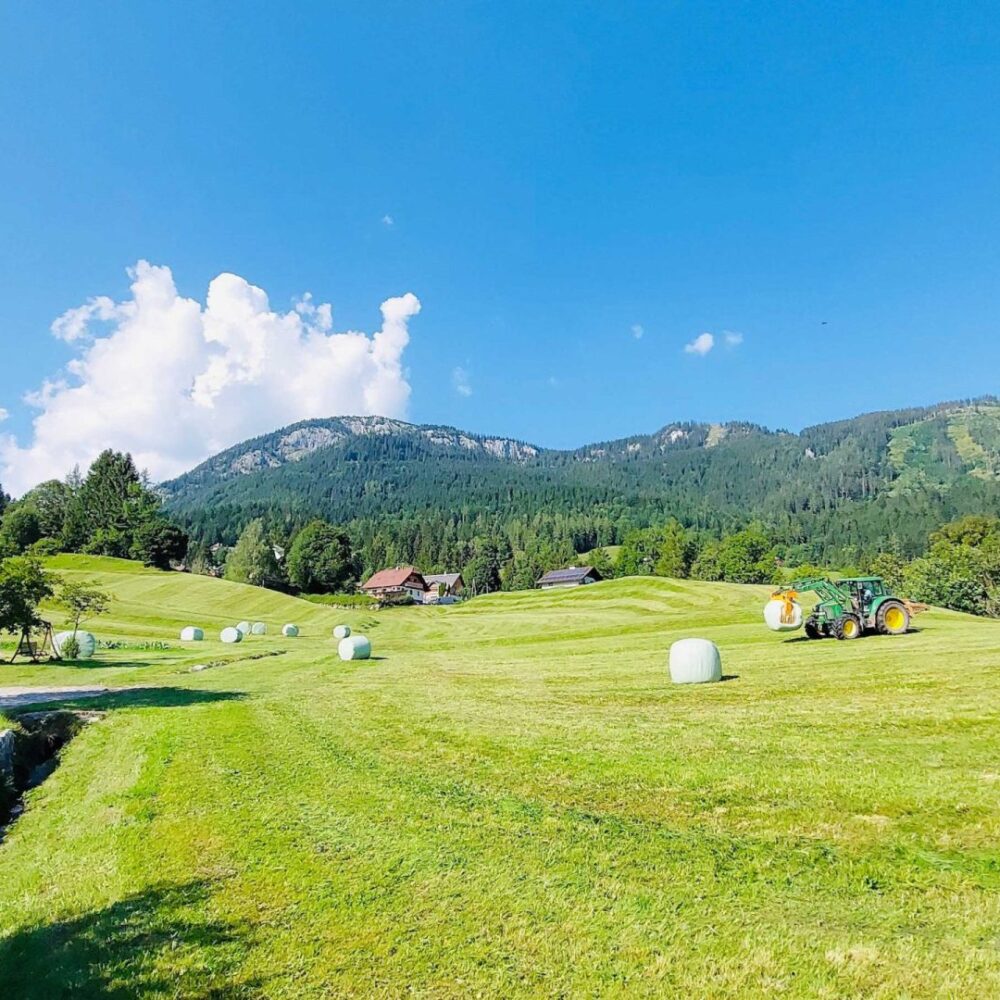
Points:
[[244, 627], [290, 630], [85, 642], [258, 628], [191, 633], [231, 634], [354, 647], [695, 661], [779, 618], [342, 631]]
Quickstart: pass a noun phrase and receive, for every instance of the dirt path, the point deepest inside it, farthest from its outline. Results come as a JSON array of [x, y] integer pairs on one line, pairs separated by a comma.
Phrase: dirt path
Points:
[[15, 697]]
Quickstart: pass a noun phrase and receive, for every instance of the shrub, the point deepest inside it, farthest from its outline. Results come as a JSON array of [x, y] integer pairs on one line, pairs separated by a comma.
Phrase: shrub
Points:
[[46, 547], [70, 649]]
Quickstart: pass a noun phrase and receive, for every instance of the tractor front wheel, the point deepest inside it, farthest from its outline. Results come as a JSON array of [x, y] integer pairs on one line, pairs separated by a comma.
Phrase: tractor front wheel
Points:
[[848, 627], [892, 618], [812, 631]]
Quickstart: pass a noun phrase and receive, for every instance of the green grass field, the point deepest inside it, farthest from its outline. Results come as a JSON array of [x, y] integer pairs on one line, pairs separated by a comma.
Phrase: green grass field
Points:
[[511, 800]]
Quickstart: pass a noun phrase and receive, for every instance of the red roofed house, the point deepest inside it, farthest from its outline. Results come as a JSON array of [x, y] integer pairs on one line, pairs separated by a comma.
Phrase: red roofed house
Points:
[[401, 581]]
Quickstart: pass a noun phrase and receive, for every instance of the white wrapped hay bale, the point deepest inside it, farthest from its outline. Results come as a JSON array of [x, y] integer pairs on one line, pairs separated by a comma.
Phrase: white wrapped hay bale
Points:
[[244, 627], [85, 642], [342, 631], [290, 630], [231, 634], [695, 661], [783, 616], [258, 628], [190, 633], [354, 647]]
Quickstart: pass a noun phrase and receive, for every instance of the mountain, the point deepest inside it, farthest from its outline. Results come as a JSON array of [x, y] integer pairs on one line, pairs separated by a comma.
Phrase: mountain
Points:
[[299, 441], [843, 487]]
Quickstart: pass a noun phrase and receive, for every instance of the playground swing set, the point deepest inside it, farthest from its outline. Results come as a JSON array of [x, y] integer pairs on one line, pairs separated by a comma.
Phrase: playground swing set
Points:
[[37, 649]]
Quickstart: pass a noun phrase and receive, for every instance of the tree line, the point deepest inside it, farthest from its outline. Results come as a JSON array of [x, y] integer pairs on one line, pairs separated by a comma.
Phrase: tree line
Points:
[[834, 494], [111, 511], [960, 568], [114, 510]]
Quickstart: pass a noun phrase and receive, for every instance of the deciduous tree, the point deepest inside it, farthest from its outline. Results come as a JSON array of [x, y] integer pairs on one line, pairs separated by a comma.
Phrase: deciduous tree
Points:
[[252, 558], [24, 584], [82, 600], [321, 559]]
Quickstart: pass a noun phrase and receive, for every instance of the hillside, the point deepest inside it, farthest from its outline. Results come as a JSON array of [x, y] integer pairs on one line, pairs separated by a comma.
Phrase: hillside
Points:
[[833, 489], [511, 801]]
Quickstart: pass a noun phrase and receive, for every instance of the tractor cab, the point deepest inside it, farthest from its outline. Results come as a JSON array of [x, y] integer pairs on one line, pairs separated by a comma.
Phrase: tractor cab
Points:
[[864, 590]]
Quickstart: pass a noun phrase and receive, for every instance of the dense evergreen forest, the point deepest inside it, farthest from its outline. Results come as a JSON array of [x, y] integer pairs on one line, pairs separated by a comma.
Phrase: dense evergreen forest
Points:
[[835, 494], [912, 495]]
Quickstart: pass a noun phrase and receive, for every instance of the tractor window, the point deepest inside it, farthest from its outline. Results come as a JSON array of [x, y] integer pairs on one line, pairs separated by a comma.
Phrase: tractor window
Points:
[[877, 588]]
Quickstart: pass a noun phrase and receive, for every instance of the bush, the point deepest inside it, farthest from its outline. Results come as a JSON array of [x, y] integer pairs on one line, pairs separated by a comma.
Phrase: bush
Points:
[[70, 649], [341, 600], [124, 644], [46, 547]]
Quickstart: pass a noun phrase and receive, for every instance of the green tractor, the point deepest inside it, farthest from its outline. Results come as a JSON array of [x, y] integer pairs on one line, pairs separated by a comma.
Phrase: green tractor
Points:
[[849, 607]]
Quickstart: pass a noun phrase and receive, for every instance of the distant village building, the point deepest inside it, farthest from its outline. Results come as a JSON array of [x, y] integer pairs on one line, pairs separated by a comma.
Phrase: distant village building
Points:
[[572, 576], [399, 582], [443, 588]]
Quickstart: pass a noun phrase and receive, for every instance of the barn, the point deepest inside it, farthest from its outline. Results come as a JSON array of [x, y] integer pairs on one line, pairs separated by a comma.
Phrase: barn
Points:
[[571, 576]]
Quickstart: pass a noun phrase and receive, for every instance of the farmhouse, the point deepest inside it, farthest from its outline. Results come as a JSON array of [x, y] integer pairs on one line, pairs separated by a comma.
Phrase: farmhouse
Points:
[[401, 581], [572, 576], [443, 588]]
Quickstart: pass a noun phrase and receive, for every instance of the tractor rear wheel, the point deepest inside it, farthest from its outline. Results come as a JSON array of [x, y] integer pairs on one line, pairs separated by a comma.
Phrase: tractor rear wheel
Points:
[[812, 632], [892, 618], [848, 627]]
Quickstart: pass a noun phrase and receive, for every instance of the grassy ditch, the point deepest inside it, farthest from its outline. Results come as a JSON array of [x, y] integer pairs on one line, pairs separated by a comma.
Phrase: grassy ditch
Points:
[[34, 743]]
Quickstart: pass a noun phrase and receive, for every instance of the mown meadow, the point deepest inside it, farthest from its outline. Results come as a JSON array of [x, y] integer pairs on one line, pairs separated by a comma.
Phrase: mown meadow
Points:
[[510, 800]]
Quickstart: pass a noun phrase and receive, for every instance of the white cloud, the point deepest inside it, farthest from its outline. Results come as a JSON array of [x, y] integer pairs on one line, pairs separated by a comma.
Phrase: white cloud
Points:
[[74, 324], [174, 381], [388, 220], [460, 381], [637, 331], [701, 344], [4, 414], [733, 339]]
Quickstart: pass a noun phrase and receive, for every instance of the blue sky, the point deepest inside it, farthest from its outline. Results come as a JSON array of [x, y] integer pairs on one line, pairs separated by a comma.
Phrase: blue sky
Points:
[[545, 178]]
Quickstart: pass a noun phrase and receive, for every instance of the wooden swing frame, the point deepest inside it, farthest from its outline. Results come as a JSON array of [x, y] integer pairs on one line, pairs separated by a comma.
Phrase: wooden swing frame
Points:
[[35, 651]]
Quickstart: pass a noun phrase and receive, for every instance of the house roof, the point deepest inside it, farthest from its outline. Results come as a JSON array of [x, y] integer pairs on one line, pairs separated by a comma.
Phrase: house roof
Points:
[[572, 574], [448, 579], [394, 577]]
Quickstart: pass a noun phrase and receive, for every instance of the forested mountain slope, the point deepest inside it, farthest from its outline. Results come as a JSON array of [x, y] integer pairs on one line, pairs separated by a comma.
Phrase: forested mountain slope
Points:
[[830, 491]]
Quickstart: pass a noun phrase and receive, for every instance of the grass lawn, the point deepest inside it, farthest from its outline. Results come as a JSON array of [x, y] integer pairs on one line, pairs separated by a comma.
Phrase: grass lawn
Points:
[[511, 800]]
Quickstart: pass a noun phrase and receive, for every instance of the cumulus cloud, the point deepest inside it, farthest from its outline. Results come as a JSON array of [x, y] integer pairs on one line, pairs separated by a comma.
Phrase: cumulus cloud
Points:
[[74, 324], [4, 414], [637, 331], [460, 380], [701, 344], [733, 339], [388, 220], [173, 380]]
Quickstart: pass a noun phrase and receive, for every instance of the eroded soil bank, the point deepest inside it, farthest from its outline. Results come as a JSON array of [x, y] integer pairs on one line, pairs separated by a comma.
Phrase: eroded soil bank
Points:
[[29, 753]]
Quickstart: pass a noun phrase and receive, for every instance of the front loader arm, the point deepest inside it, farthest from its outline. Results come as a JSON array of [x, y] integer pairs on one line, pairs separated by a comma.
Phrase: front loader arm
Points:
[[825, 589]]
